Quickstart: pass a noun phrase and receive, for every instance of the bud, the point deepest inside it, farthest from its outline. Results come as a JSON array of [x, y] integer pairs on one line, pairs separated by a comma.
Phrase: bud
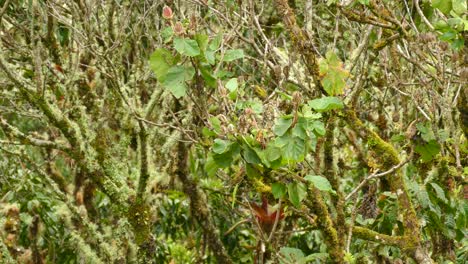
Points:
[[296, 98], [167, 13], [179, 29]]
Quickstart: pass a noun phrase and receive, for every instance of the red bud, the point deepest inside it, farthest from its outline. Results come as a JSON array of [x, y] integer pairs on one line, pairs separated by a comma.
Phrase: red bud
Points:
[[167, 13]]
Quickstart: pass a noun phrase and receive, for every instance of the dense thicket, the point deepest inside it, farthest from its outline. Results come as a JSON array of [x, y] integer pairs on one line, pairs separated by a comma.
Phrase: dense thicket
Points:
[[233, 131]]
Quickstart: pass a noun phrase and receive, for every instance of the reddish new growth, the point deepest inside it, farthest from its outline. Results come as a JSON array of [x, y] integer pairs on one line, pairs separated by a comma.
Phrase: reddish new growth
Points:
[[167, 13], [266, 214]]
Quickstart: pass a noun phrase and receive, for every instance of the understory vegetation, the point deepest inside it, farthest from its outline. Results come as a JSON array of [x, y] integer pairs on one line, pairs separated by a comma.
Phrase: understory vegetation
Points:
[[233, 131]]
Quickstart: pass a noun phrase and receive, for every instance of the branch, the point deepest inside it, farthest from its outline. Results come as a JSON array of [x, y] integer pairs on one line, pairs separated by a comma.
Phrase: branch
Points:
[[4, 8], [80, 148], [325, 223], [387, 158], [28, 139], [376, 175], [370, 235], [301, 42], [144, 174]]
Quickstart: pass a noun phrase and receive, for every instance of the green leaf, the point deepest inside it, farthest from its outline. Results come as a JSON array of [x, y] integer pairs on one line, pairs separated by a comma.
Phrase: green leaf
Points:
[[397, 138], [272, 152], [216, 124], [326, 104], [188, 47], [220, 146], [234, 54], [426, 131], [423, 197], [443, 5], [225, 160], [318, 127], [300, 129], [210, 57], [175, 79], [210, 80], [334, 74], [458, 44], [290, 255], [167, 34], [211, 166], [316, 256], [202, 41], [207, 132], [282, 125], [297, 192], [293, 148], [216, 42], [439, 192], [278, 190], [428, 151], [364, 2], [252, 171], [250, 155], [448, 35], [256, 106], [320, 183], [160, 62], [232, 85], [459, 6]]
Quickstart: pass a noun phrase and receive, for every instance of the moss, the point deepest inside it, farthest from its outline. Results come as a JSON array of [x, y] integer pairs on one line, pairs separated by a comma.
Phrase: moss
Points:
[[85, 253], [139, 216], [370, 235], [386, 157], [385, 153], [260, 186], [325, 223]]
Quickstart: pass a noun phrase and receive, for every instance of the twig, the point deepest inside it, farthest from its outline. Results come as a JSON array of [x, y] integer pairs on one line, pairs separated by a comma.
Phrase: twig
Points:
[[4, 8], [377, 175], [235, 226], [420, 12]]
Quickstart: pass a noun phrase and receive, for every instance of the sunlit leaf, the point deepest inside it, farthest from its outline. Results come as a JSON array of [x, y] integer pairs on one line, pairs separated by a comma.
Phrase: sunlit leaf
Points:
[[220, 146], [282, 125], [297, 192], [443, 5], [188, 47], [175, 79], [326, 103], [320, 183], [278, 190], [234, 54], [160, 62], [333, 74]]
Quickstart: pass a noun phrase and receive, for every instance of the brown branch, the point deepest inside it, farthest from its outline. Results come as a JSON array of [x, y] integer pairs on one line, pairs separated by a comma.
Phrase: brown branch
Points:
[[301, 42], [30, 140], [387, 158], [198, 203]]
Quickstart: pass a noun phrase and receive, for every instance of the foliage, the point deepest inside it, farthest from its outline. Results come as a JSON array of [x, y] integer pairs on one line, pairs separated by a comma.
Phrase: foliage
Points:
[[233, 131]]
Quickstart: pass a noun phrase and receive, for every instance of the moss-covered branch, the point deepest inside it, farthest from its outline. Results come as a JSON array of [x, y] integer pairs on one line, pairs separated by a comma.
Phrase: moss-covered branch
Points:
[[301, 41], [370, 235], [387, 157], [199, 206], [81, 151], [325, 223]]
